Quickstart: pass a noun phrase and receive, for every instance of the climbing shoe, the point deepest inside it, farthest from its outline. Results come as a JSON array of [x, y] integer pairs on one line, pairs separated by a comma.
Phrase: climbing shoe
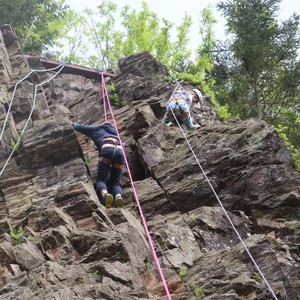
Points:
[[119, 202], [107, 200]]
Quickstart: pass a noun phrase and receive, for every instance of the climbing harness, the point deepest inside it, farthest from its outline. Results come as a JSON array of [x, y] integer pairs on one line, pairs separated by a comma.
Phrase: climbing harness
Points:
[[175, 99], [32, 109], [111, 142], [110, 139], [176, 112], [223, 208], [108, 162], [138, 202]]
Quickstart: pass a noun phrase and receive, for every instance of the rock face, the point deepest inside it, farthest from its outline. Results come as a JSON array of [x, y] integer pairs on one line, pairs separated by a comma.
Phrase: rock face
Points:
[[58, 242]]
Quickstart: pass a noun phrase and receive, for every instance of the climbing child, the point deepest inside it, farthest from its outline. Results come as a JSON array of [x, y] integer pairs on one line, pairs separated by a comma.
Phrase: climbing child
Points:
[[111, 160], [181, 103]]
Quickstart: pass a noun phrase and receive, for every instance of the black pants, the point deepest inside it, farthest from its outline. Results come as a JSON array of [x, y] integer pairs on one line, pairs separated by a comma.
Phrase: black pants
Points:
[[110, 174]]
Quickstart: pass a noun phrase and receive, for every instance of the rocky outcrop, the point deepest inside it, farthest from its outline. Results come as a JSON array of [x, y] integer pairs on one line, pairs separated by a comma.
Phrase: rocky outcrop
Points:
[[58, 242]]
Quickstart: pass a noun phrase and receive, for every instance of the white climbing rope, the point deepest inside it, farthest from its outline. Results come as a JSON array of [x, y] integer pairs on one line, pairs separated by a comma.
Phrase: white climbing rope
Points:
[[13, 94], [223, 208], [30, 114], [28, 32]]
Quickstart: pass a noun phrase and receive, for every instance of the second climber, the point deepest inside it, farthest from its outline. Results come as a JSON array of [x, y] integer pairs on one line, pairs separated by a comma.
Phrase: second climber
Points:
[[180, 104]]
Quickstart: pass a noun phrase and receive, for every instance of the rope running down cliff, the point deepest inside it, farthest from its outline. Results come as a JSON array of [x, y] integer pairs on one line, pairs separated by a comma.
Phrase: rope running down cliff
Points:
[[136, 197], [32, 109], [13, 94], [221, 204]]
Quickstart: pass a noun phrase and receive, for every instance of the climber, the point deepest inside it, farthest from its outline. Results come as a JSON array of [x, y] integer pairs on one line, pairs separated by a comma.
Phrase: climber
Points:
[[181, 103], [111, 161]]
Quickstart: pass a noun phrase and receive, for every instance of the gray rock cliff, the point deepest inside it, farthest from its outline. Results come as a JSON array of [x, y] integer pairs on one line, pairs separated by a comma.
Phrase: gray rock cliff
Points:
[[72, 247]]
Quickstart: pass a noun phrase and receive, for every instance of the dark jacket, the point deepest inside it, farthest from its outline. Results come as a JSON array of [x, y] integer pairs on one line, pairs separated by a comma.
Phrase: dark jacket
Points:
[[97, 132]]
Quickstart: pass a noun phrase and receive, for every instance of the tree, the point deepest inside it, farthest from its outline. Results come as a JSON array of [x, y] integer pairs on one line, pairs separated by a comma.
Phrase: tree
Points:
[[203, 65], [144, 32], [103, 34], [258, 60], [73, 46], [36, 22], [180, 54], [135, 32]]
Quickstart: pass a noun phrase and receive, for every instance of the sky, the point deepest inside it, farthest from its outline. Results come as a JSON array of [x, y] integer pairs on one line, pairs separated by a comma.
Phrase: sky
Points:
[[174, 10]]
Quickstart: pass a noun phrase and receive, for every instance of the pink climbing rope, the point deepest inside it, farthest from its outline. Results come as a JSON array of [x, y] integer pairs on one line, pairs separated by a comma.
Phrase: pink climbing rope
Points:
[[103, 88], [137, 201]]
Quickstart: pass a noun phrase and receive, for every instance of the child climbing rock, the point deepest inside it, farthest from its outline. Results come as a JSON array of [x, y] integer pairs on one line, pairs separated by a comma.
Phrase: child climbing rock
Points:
[[180, 104], [111, 160]]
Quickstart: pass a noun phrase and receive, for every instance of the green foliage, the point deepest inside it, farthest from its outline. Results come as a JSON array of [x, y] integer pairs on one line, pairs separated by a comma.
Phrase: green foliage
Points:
[[114, 96], [289, 119], [196, 79], [295, 152], [95, 273], [180, 58], [222, 111], [141, 31], [193, 217], [198, 293], [36, 22], [195, 290], [88, 161], [15, 145], [182, 273], [103, 35], [72, 46], [257, 68], [256, 276], [201, 69], [17, 233]]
